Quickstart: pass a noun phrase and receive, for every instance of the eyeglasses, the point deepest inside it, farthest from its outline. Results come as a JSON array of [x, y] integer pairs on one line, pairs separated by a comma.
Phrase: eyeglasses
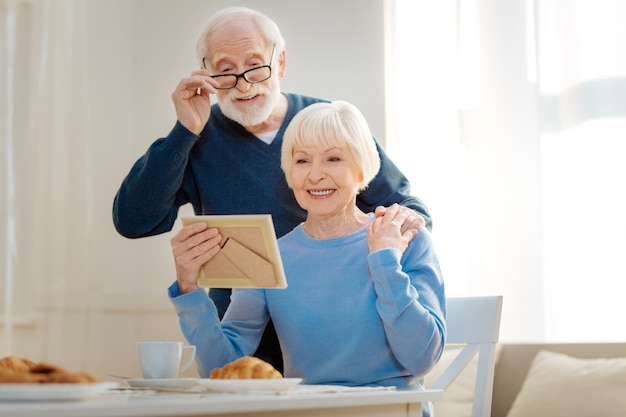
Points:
[[253, 75]]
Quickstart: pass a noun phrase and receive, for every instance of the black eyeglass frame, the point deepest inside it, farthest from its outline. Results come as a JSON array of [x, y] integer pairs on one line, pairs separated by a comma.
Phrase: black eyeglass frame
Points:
[[243, 74]]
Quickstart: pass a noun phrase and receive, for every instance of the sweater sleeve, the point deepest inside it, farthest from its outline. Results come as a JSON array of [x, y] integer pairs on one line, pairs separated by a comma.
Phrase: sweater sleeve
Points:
[[219, 343], [411, 303], [148, 199], [388, 187]]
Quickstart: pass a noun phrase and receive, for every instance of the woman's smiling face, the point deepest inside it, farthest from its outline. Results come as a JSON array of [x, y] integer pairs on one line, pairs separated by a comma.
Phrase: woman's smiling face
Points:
[[324, 179]]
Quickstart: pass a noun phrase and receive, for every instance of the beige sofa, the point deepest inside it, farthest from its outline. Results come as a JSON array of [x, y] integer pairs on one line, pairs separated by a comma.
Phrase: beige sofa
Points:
[[514, 361], [544, 380]]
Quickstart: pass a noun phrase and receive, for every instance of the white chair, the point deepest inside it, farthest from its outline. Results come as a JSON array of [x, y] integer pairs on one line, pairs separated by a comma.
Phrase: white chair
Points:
[[475, 323]]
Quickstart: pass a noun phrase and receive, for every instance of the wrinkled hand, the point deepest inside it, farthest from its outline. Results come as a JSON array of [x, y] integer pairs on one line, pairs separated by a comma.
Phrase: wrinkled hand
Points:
[[192, 247], [386, 231], [414, 220], [192, 100]]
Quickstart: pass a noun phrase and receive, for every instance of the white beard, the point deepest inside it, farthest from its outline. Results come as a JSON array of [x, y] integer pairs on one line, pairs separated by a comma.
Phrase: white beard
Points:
[[254, 114]]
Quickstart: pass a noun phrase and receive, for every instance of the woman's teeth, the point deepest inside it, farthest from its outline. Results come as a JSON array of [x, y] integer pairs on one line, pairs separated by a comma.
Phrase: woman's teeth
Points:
[[324, 192]]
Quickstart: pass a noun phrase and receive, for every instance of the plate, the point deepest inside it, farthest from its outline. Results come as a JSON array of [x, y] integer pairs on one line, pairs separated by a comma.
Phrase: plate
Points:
[[56, 392], [249, 385], [176, 383]]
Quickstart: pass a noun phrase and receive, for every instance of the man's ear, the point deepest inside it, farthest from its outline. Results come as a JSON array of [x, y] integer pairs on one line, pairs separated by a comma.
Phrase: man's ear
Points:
[[282, 64]]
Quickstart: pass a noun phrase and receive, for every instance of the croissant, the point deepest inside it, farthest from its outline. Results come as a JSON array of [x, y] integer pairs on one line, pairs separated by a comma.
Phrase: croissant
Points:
[[11, 363], [21, 370], [247, 367]]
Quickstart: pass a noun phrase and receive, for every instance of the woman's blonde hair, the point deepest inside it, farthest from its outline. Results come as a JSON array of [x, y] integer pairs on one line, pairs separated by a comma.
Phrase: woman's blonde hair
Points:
[[337, 124]]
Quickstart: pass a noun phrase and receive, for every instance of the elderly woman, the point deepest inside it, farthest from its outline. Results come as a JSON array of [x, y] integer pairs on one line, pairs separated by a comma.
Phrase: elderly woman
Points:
[[365, 303]]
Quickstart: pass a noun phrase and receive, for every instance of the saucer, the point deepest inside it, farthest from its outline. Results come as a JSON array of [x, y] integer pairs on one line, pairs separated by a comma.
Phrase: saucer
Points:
[[176, 383]]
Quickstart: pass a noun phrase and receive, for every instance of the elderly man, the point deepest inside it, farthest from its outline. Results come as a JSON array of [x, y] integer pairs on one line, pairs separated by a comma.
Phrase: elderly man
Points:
[[224, 158]]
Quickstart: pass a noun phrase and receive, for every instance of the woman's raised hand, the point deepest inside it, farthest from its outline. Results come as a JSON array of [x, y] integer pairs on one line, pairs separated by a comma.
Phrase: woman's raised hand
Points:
[[386, 230]]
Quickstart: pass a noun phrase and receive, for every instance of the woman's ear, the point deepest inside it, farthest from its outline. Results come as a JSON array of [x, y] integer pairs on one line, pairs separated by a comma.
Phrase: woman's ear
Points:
[[359, 183]]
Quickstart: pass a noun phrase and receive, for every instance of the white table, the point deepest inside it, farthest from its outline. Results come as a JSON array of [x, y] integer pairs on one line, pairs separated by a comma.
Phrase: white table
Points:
[[353, 403]]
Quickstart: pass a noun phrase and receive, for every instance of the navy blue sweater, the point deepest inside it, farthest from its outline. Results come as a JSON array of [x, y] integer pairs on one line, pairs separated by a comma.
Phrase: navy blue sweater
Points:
[[228, 170]]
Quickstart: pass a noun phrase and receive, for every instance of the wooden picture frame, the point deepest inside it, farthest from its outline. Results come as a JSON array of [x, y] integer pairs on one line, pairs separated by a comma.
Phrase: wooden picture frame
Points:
[[249, 255]]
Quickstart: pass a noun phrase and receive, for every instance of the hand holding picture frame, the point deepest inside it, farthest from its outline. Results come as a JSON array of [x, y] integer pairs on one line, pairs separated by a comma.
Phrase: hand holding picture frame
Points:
[[249, 256]]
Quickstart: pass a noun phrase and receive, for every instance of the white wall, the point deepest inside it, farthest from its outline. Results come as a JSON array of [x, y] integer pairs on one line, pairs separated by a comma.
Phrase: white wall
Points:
[[137, 52]]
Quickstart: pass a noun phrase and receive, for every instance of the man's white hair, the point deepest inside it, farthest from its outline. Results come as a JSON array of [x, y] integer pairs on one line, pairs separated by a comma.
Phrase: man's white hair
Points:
[[267, 28]]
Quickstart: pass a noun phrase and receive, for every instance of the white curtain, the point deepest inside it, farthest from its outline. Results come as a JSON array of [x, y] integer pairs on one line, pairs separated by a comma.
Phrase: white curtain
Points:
[[510, 119], [582, 83], [7, 74], [45, 143]]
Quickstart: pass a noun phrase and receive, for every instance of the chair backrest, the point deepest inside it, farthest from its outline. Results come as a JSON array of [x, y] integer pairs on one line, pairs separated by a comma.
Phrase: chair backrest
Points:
[[474, 322]]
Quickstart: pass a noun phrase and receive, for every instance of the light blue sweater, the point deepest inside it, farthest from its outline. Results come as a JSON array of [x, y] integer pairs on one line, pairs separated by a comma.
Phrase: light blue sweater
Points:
[[347, 317]]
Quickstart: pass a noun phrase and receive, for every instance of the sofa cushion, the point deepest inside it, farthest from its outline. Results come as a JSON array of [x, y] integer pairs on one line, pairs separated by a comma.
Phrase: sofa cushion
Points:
[[561, 385]]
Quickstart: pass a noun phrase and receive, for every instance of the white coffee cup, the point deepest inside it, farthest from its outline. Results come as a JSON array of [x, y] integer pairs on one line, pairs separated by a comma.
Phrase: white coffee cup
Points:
[[163, 359]]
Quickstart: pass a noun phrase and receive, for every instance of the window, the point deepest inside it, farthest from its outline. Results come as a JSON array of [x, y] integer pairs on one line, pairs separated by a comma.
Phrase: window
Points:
[[514, 139]]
